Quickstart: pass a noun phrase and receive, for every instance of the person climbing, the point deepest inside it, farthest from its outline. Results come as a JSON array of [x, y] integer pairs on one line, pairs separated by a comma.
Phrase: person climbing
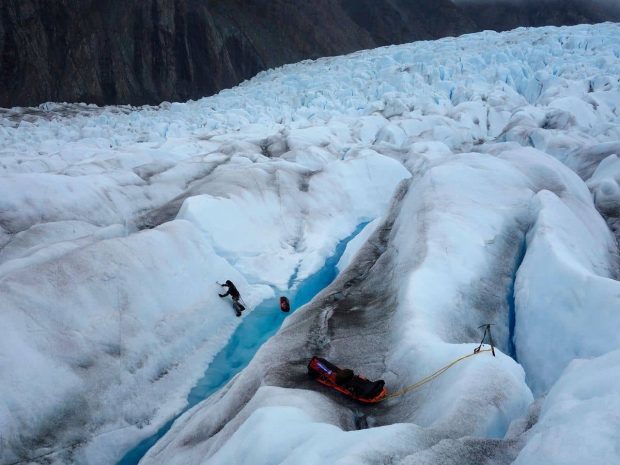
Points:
[[233, 292]]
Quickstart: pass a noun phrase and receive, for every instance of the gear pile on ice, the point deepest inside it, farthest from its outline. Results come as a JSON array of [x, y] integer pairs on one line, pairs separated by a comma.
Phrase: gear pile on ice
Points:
[[370, 392], [345, 381]]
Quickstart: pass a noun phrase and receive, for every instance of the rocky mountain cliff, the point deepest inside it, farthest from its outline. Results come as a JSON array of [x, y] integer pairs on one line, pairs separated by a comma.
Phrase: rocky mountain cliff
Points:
[[148, 51]]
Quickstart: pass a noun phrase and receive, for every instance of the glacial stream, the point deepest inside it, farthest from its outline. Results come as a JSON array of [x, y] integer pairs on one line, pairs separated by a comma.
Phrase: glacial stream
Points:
[[255, 329]]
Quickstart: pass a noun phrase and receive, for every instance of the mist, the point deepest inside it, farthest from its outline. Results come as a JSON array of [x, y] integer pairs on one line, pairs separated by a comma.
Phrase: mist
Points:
[[605, 10]]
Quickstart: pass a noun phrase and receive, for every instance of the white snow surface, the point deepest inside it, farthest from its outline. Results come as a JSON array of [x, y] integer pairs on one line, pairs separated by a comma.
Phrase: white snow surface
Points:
[[116, 222], [580, 417], [355, 244]]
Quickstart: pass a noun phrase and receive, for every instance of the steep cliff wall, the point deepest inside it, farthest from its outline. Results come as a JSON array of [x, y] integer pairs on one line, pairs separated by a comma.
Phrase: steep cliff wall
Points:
[[148, 51], [117, 51]]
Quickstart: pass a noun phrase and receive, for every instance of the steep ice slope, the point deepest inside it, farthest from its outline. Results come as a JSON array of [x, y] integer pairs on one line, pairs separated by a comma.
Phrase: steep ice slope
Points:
[[410, 302], [114, 321], [507, 235], [116, 328]]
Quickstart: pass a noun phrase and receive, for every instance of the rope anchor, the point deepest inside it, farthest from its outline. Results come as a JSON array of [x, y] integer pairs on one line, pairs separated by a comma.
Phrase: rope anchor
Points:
[[441, 371], [487, 329]]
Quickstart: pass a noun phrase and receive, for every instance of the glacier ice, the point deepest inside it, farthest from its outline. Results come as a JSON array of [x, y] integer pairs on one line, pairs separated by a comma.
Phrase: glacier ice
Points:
[[487, 168]]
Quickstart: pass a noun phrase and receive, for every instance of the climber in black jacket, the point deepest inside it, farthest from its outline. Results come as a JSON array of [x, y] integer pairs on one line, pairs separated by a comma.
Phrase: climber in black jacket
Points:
[[233, 292]]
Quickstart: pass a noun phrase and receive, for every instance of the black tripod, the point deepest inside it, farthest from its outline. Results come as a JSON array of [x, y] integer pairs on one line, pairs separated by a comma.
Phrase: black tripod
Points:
[[487, 329]]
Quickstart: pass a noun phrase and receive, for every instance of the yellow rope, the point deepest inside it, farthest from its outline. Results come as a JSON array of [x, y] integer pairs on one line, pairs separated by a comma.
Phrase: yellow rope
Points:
[[431, 377]]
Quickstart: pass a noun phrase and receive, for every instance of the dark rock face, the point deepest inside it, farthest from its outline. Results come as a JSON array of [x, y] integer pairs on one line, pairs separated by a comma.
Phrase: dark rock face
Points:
[[117, 51], [148, 51]]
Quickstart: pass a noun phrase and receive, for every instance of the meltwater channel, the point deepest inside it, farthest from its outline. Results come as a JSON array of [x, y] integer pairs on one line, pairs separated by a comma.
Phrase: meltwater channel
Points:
[[250, 335]]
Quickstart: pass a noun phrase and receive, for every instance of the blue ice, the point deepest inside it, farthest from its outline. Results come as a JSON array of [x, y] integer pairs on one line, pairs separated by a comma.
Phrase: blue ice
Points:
[[256, 328]]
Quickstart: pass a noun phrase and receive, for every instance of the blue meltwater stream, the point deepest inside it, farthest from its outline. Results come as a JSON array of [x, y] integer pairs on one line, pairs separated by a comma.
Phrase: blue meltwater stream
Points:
[[254, 330]]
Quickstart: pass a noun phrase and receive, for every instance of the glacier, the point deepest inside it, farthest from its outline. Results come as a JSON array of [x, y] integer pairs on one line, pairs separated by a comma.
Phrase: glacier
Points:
[[486, 169]]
